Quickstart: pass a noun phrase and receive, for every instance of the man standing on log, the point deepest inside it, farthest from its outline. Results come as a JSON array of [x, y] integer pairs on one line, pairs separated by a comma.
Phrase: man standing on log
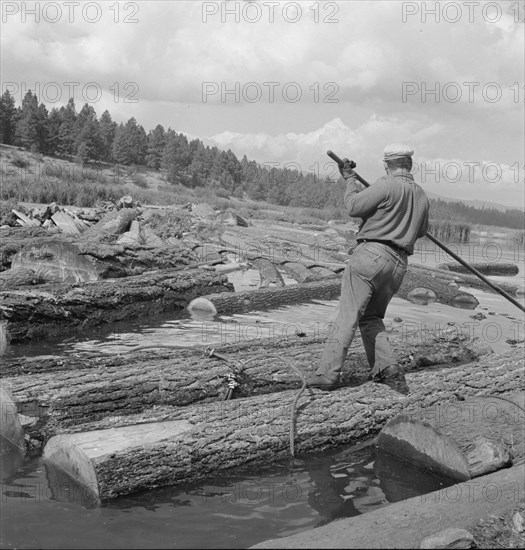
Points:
[[394, 211]]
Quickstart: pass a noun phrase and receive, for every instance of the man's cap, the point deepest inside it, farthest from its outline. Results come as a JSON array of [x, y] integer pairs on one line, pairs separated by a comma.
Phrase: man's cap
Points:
[[397, 151]]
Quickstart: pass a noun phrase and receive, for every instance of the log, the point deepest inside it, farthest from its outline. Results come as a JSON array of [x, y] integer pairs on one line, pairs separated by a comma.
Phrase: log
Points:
[[494, 268], [12, 444], [466, 280], [326, 289], [56, 261], [266, 298], [300, 272], [268, 273], [61, 308], [110, 259], [68, 392], [66, 223], [21, 276], [13, 239], [256, 430], [460, 440]]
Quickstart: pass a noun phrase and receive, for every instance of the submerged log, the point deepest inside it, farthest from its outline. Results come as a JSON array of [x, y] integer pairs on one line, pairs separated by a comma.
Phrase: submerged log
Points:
[[70, 391], [61, 308], [494, 268], [460, 440], [210, 438]]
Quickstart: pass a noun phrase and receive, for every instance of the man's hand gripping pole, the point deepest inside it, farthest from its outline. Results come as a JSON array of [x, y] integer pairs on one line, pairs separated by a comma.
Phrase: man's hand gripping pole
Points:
[[345, 163]]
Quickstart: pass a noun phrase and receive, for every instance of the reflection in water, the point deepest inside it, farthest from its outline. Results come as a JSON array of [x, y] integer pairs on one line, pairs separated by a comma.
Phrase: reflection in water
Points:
[[235, 510]]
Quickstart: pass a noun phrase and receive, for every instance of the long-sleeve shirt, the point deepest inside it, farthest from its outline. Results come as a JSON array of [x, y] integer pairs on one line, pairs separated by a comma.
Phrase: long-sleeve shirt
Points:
[[393, 209]]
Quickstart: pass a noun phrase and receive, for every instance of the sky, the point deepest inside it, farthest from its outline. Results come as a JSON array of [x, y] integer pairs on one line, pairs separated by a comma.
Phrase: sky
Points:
[[283, 81]]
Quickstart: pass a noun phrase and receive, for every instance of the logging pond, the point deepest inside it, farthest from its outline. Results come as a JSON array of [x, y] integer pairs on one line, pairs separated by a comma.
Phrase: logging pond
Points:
[[39, 509]]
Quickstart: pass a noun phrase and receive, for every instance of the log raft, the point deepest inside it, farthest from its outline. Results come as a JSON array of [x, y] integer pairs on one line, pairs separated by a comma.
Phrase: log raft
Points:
[[213, 437], [461, 440], [69, 392]]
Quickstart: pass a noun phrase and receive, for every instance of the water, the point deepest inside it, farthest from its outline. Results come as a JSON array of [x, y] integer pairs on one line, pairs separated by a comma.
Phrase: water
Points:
[[236, 510]]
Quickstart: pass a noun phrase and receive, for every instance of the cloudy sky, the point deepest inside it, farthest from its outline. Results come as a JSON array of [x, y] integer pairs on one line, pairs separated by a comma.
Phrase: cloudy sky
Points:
[[282, 81]]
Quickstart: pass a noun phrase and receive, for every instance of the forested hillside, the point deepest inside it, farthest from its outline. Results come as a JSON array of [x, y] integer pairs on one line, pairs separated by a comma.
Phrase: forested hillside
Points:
[[86, 138]]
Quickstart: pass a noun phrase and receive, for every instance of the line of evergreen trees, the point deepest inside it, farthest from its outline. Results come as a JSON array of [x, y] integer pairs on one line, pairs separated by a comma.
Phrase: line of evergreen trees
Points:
[[64, 133], [82, 136]]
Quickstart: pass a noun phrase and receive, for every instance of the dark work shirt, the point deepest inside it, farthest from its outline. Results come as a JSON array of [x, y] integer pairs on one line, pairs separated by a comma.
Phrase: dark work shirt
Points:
[[394, 209]]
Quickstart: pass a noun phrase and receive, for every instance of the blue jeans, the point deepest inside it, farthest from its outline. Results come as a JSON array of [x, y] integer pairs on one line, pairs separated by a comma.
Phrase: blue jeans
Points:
[[372, 276]]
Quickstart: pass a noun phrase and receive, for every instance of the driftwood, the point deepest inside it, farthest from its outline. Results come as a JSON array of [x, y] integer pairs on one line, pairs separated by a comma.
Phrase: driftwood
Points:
[[60, 308], [74, 391], [460, 440], [185, 444], [13, 239], [495, 268]]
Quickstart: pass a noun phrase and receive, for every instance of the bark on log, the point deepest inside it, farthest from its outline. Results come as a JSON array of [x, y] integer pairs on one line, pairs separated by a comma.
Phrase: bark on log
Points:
[[300, 272], [13, 239], [484, 268], [466, 279], [110, 259], [53, 309], [459, 440], [268, 273], [66, 392], [21, 276], [211, 438], [266, 298]]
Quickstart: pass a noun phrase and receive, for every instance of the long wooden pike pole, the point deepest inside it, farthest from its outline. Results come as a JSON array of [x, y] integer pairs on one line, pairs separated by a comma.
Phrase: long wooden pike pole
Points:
[[341, 163]]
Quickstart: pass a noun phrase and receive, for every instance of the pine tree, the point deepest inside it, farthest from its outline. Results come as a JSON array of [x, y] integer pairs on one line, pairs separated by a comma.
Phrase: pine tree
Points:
[[8, 118], [120, 146], [156, 145], [88, 133], [53, 128], [27, 124], [108, 129], [67, 132]]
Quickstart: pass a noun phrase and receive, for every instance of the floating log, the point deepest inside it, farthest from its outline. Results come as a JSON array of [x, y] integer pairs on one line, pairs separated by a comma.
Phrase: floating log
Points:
[[419, 279], [73, 392], [266, 298], [494, 268], [210, 438], [268, 273], [61, 308], [460, 440], [326, 289]]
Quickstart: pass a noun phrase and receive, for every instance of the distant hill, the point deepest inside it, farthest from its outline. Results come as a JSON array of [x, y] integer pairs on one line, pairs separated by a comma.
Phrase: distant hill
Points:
[[476, 203]]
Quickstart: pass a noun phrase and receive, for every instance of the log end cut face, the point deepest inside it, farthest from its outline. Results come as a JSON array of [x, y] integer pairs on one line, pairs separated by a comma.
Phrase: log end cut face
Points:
[[420, 443], [80, 455]]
